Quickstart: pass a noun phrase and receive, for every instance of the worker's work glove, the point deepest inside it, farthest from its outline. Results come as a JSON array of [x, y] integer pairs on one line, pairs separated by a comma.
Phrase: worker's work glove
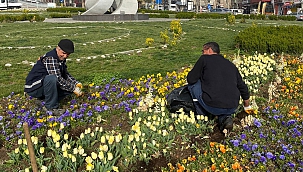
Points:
[[78, 91], [248, 109], [79, 85]]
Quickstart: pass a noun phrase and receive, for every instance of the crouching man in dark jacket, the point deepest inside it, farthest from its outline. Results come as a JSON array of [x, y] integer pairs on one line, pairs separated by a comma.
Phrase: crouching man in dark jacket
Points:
[[216, 85], [49, 78]]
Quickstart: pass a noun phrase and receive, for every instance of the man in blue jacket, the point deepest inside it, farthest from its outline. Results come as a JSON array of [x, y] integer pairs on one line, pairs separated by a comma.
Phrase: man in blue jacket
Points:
[[216, 86], [49, 78]]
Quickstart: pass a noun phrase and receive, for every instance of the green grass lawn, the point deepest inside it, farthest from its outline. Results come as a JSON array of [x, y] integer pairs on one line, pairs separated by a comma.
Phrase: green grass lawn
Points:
[[25, 42], [276, 128]]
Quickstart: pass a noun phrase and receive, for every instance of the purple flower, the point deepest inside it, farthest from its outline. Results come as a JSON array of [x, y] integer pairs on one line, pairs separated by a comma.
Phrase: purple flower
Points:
[[269, 155], [296, 132], [257, 123], [120, 94], [89, 113], [1, 117], [254, 147], [73, 102], [275, 111], [85, 105], [128, 109], [282, 157], [246, 147], [235, 142], [261, 135], [262, 159], [136, 89], [276, 117], [114, 89], [130, 95], [243, 136], [291, 122], [132, 101], [98, 108], [266, 110], [105, 107], [291, 164]]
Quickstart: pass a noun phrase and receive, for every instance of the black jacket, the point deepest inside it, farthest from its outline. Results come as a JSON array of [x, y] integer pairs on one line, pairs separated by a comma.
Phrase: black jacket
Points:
[[49, 64], [222, 84]]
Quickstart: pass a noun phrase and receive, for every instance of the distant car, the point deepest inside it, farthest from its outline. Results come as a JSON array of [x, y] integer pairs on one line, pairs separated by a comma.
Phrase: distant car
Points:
[[236, 11], [220, 10], [299, 16]]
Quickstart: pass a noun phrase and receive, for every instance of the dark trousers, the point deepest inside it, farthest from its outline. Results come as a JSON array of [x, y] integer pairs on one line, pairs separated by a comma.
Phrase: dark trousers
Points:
[[50, 92], [201, 108]]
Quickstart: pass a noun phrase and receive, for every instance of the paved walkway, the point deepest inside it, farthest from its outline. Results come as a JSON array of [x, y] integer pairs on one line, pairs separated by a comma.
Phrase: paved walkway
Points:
[[70, 20]]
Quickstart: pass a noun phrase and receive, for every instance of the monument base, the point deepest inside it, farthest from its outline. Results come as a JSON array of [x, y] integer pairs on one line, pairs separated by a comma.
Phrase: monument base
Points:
[[112, 17]]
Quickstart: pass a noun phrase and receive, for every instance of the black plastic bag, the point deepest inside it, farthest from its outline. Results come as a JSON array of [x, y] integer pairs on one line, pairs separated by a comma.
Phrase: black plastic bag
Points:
[[180, 98]]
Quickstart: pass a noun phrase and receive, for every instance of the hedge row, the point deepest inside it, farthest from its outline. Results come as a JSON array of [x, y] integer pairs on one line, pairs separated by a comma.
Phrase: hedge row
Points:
[[161, 15], [271, 39], [66, 10], [283, 17], [190, 15], [60, 15], [22, 17], [156, 11]]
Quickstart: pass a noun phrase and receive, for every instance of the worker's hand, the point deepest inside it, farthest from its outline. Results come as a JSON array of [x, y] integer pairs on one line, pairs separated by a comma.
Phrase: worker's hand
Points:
[[248, 109], [79, 85], [78, 91]]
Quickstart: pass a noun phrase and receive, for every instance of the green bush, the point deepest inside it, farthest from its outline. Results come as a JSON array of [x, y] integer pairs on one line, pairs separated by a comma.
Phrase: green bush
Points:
[[288, 18], [161, 15], [185, 15], [242, 16], [231, 19], [60, 15], [257, 16], [66, 10], [156, 11], [271, 39], [211, 16], [281, 17], [21, 17], [273, 17]]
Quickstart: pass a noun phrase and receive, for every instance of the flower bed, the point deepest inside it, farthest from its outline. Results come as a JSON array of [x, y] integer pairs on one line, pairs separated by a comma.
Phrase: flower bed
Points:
[[117, 125]]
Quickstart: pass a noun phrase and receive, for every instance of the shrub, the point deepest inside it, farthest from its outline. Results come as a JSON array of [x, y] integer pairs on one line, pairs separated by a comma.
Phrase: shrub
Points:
[[161, 15], [273, 17], [66, 9], [211, 16], [149, 41], [257, 16], [156, 11], [271, 39], [60, 15], [185, 15], [288, 18], [22, 17], [231, 19]]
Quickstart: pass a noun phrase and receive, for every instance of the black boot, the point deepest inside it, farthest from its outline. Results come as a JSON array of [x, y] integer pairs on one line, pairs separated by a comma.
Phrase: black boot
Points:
[[226, 123]]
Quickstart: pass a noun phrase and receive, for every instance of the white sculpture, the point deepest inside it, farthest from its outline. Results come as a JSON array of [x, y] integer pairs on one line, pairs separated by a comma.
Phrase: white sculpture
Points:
[[99, 7]]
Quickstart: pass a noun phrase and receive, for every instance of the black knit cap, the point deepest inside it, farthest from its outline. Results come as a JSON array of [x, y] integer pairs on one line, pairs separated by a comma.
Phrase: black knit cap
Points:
[[66, 45]]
